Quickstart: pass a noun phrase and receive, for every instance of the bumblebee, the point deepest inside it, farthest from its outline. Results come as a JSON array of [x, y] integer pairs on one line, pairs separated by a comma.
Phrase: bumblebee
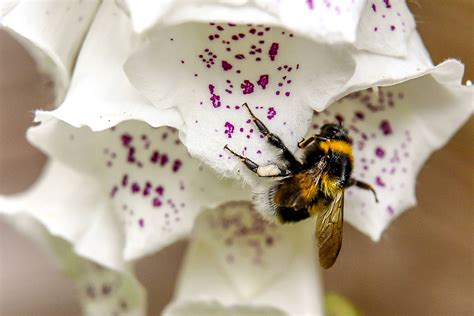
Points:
[[312, 185]]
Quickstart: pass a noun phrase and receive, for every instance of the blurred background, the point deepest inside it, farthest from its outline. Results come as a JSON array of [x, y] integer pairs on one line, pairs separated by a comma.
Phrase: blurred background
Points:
[[424, 264]]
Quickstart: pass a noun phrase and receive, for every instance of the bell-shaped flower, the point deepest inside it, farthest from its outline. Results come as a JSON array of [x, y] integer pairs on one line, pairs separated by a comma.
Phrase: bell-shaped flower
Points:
[[208, 69], [118, 189], [52, 32], [101, 291], [239, 264]]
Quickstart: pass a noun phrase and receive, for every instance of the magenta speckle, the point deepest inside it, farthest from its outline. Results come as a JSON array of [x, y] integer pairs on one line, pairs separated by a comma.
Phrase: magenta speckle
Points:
[[359, 115], [226, 66], [135, 187], [388, 5], [392, 27], [215, 99], [154, 156], [273, 51], [146, 190], [164, 160], [310, 4], [390, 210], [374, 7], [177, 165], [385, 127], [229, 129], [126, 139], [271, 113], [156, 202], [247, 87], [124, 180], [131, 154], [263, 81], [114, 191], [379, 182], [160, 190], [379, 152], [141, 222]]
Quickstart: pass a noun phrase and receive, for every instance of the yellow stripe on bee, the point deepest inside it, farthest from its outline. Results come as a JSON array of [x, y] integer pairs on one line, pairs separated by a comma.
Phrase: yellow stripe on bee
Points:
[[329, 185], [307, 186], [336, 146]]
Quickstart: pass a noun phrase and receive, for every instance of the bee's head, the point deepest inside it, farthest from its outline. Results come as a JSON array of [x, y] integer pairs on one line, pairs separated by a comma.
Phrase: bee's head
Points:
[[334, 131]]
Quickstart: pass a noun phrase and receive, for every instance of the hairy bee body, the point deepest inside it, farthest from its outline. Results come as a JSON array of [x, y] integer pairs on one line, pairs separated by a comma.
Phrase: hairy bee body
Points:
[[310, 186]]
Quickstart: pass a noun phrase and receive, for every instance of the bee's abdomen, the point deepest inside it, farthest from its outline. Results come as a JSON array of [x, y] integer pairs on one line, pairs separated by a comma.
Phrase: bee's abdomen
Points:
[[291, 215]]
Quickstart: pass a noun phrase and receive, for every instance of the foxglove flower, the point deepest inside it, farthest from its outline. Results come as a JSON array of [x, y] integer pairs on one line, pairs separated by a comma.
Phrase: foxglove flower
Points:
[[101, 291], [136, 146]]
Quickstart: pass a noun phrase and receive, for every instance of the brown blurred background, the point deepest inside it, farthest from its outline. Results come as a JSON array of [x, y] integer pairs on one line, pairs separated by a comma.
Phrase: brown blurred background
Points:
[[424, 264]]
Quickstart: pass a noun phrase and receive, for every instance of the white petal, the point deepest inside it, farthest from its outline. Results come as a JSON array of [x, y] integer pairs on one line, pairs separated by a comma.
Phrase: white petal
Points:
[[60, 202], [393, 133], [144, 178], [208, 71], [238, 264], [107, 292], [385, 27], [6, 6], [52, 31], [100, 95], [325, 21], [380, 70], [102, 291]]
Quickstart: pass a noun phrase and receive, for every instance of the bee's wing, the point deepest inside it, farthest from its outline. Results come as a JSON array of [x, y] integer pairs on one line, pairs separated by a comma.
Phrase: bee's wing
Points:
[[298, 191], [329, 230]]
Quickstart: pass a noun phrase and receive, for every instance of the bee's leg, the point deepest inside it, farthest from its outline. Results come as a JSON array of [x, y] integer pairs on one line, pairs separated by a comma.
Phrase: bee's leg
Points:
[[364, 186], [274, 140], [305, 142], [271, 170]]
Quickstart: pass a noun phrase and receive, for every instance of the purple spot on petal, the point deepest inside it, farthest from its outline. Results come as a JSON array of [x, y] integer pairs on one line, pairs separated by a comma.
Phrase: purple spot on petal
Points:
[[135, 187], [124, 180], [385, 127], [126, 139], [379, 182], [177, 165], [271, 113], [141, 222], [247, 87], [154, 157], [229, 129], [164, 160], [156, 202], [379, 152], [146, 189], [273, 51], [114, 191], [160, 190], [390, 210], [226, 66], [263, 81], [215, 99]]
